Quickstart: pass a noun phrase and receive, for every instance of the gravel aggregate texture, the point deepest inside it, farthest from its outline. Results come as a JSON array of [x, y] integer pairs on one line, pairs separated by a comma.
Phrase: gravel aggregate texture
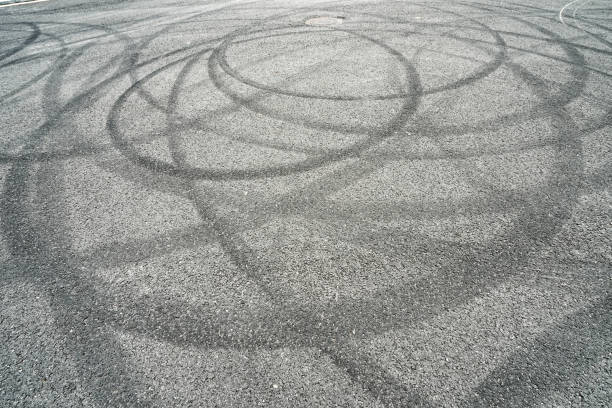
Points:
[[306, 203]]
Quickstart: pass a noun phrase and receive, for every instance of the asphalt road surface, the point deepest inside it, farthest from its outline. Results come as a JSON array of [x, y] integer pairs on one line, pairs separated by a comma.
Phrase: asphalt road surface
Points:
[[306, 203]]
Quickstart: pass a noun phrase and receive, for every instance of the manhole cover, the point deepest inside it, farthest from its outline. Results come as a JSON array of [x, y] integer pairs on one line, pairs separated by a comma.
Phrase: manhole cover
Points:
[[324, 21]]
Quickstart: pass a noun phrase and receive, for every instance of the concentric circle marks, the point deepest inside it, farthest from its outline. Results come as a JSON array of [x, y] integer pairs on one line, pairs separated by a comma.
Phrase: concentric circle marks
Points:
[[340, 317], [325, 65], [395, 122], [356, 60]]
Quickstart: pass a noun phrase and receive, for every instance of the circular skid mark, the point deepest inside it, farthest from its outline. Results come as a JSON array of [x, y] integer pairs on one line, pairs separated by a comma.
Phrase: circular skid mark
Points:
[[288, 323], [325, 21], [498, 54], [219, 66], [243, 255], [319, 39], [34, 34], [185, 170]]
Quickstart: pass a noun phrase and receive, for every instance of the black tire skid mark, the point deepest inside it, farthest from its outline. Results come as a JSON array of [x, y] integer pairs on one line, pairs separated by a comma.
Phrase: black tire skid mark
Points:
[[376, 382], [30, 243], [188, 172], [52, 106], [581, 338], [86, 96], [194, 173], [24, 87], [238, 250], [533, 232], [163, 314], [29, 40], [241, 247], [148, 97], [314, 124]]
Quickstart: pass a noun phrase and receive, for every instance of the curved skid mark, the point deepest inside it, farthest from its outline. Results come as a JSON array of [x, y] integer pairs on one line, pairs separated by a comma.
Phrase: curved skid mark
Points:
[[29, 40], [465, 274]]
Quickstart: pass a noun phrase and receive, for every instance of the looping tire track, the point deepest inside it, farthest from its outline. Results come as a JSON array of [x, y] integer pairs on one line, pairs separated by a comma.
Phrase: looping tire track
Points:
[[532, 230]]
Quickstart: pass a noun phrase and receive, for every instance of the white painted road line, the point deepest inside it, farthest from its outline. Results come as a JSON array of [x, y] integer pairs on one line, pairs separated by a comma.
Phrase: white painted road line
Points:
[[22, 3], [563, 9]]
